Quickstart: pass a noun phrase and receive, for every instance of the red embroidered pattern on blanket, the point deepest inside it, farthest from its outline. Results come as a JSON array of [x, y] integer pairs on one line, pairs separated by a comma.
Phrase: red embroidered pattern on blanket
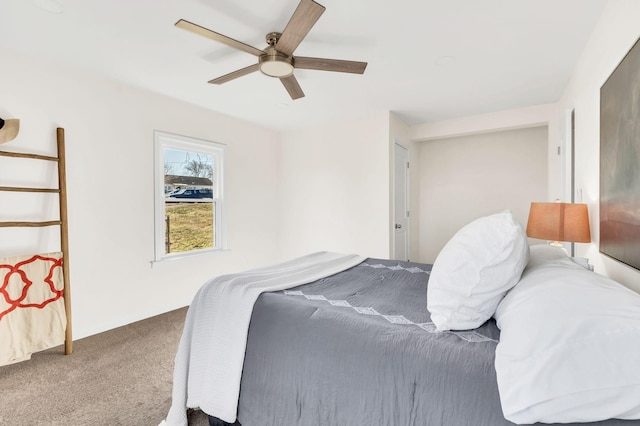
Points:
[[27, 284]]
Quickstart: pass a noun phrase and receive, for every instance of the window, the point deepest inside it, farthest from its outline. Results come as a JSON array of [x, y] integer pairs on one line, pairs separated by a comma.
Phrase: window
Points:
[[188, 195]]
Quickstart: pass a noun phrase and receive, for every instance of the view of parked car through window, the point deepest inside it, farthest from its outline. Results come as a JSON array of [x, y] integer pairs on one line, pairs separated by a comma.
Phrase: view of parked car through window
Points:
[[189, 201]]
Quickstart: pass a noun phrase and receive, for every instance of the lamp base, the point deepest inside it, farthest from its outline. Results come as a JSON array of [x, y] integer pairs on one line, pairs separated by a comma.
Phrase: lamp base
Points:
[[558, 244]]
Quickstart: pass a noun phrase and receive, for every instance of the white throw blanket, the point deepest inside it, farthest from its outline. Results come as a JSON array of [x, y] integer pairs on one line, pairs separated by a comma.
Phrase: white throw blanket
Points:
[[210, 357], [32, 314]]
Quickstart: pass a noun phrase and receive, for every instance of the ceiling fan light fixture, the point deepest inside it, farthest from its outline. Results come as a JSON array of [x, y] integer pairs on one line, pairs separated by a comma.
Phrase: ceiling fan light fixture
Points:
[[276, 66]]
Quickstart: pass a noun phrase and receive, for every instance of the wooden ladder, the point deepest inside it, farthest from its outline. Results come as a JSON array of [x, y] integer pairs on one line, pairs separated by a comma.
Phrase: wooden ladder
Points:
[[62, 222]]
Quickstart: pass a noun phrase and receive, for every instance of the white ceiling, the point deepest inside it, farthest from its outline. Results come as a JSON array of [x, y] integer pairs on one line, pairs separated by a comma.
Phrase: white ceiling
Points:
[[429, 60]]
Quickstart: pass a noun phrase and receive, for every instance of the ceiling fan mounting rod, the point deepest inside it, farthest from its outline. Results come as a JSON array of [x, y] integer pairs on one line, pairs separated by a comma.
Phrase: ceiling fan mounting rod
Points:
[[272, 38]]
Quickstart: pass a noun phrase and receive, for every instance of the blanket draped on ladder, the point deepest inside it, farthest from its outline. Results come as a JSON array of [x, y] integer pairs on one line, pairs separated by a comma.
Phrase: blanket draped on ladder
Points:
[[210, 357], [32, 314]]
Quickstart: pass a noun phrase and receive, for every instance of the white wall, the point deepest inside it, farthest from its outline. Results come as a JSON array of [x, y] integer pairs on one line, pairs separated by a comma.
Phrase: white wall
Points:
[[520, 118], [533, 116], [109, 134], [614, 35], [463, 178], [334, 188]]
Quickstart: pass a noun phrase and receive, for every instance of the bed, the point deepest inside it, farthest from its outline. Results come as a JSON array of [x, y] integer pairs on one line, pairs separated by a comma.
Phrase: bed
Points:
[[358, 347]]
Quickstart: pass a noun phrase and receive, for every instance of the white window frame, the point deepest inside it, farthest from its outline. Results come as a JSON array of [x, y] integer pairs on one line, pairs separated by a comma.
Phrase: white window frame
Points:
[[164, 140]]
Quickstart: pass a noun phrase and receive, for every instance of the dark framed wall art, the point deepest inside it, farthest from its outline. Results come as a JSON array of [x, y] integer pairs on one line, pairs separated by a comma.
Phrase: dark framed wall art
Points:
[[620, 161]]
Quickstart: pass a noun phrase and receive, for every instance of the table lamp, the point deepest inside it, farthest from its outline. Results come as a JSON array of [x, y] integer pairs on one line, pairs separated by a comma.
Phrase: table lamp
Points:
[[558, 222]]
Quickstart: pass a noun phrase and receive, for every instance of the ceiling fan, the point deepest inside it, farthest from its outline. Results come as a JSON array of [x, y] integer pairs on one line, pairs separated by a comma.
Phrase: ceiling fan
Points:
[[277, 59]]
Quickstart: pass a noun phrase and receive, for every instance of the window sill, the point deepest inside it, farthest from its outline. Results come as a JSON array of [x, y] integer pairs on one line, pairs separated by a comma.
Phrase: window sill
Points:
[[187, 255]]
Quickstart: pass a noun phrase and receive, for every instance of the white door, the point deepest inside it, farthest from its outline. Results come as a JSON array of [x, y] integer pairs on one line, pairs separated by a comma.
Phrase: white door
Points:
[[400, 202]]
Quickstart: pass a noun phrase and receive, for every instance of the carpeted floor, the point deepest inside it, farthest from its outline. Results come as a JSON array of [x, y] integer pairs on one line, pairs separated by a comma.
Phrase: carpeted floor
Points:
[[120, 377]]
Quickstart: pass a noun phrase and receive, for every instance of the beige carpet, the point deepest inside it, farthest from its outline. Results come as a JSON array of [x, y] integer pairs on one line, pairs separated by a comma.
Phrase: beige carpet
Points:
[[120, 377]]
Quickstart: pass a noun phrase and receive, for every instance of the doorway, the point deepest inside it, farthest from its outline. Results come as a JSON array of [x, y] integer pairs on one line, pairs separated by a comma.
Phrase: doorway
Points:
[[400, 202]]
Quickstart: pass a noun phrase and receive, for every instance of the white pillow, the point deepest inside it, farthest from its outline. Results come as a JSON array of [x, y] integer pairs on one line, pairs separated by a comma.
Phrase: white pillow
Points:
[[474, 270], [569, 345]]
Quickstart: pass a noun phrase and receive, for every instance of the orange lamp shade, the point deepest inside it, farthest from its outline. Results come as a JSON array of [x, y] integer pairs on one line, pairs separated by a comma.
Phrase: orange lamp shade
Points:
[[559, 222]]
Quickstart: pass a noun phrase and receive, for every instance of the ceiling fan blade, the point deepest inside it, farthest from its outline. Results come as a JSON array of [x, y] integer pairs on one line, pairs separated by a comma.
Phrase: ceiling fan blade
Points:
[[235, 74], [305, 16], [323, 64], [205, 32], [291, 84]]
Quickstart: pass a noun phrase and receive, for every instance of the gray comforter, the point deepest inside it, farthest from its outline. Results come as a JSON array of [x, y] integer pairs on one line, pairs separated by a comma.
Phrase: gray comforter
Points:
[[358, 348]]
